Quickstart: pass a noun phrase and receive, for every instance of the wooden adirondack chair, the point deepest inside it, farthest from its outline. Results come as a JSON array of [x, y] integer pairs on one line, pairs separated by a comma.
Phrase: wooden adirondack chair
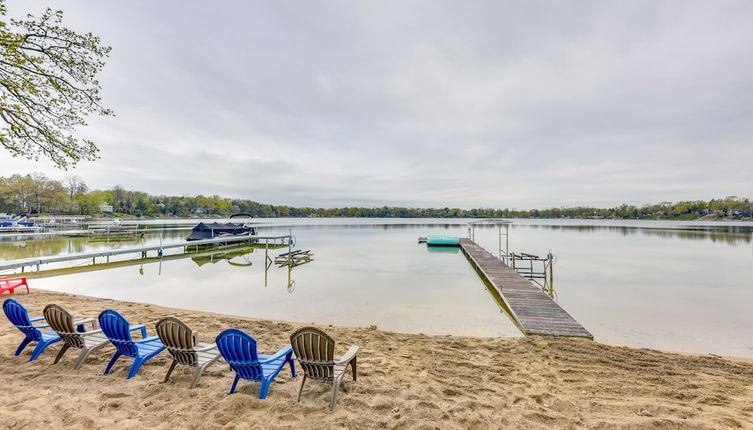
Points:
[[181, 343], [238, 349], [118, 330], [10, 284], [74, 334], [315, 351]]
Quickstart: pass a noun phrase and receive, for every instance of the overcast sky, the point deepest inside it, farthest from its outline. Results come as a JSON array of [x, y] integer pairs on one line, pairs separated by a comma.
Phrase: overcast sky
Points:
[[458, 103]]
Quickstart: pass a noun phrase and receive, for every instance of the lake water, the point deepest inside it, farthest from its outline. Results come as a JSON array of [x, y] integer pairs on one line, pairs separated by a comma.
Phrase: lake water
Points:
[[682, 286]]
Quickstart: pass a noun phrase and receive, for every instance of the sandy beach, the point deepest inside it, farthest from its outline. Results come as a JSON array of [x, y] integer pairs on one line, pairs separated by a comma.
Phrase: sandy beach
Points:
[[404, 381]]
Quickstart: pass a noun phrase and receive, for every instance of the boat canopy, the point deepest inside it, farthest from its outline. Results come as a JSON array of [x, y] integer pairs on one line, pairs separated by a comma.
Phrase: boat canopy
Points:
[[211, 230]]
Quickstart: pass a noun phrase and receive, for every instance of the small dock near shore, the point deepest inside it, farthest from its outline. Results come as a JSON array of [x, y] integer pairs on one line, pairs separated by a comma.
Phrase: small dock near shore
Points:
[[532, 310]]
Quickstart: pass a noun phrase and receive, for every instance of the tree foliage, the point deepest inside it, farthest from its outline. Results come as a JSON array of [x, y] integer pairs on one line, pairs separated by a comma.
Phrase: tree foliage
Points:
[[48, 86], [37, 193]]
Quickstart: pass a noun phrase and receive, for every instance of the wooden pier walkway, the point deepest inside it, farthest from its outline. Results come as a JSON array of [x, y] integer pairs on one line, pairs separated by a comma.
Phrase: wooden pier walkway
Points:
[[531, 309]]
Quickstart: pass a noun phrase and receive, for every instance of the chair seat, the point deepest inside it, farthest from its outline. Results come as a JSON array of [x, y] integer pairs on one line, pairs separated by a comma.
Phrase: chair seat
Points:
[[151, 347], [49, 335], [94, 339], [205, 357], [271, 367]]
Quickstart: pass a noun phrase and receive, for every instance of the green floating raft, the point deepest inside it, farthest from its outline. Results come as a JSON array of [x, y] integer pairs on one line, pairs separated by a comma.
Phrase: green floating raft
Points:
[[442, 240]]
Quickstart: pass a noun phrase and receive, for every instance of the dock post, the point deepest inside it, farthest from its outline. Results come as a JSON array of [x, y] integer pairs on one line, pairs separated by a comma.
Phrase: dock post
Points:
[[290, 249], [507, 242], [499, 233], [551, 274]]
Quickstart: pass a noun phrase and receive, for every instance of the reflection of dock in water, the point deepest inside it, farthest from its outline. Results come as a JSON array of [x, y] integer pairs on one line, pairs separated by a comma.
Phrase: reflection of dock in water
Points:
[[531, 309], [228, 256], [200, 254]]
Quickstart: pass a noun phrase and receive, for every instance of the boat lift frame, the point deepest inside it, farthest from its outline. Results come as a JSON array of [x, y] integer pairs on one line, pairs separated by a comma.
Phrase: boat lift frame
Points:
[[525, 264]]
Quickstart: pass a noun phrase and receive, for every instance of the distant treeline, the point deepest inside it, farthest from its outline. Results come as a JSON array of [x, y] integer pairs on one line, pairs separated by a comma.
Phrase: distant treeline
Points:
[[38, 194]]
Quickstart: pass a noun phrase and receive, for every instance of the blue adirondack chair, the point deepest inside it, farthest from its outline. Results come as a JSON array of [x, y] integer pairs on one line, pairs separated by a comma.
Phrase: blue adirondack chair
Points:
[[19, 317], [118, 330], [238, 349]]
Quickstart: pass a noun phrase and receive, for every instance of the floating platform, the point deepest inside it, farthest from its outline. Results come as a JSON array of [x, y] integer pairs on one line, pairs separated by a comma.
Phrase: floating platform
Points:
[[534, 312], [442, 240]]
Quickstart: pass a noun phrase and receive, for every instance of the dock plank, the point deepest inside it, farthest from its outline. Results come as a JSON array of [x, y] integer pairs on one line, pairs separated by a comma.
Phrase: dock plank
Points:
[[533, 311]]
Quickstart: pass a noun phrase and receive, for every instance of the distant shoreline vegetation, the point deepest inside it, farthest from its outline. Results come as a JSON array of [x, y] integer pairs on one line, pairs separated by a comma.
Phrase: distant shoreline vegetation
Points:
[[38, 194]]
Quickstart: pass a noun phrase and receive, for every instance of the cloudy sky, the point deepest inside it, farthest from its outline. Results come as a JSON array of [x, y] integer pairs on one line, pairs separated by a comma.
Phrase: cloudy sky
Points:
[[441, 103]]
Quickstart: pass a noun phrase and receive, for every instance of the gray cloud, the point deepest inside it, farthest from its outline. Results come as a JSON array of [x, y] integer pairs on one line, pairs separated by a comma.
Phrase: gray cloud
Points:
[[470, 104]]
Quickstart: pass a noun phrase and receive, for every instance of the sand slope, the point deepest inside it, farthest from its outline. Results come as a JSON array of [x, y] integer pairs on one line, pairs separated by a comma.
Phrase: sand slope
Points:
[[404, 381]]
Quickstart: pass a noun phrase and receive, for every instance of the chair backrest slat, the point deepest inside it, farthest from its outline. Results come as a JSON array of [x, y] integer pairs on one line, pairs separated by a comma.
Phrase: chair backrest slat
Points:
[[315, 351], [62, 322], [179, 339], [19, 317], [116, 328]]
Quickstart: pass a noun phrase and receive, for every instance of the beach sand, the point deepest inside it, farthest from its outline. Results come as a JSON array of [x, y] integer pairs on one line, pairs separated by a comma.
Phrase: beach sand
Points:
[[404, 381]]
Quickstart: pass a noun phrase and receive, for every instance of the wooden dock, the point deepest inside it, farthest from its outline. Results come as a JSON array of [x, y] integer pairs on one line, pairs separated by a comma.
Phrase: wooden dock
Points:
[[270, 241], [534, 312]]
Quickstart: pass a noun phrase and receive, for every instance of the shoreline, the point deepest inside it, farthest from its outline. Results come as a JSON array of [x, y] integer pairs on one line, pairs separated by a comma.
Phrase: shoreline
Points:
[[404, 380]]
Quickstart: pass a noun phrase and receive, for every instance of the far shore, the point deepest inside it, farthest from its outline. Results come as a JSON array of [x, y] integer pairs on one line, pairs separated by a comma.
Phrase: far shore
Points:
[[404, 381]]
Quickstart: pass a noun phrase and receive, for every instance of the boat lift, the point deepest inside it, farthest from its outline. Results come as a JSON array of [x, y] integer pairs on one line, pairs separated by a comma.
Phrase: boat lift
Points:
[[539, 270]]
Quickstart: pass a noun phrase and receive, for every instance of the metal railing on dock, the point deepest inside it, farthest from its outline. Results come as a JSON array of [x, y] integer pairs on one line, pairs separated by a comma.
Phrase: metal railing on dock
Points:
[[530, 308], [144, 250]]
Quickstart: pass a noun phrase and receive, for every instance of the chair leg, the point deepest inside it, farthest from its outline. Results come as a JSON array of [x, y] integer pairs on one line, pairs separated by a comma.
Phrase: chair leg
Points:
[[170, 370], [235, 382], [82, 357], [264, 388], [39, 349], [335, 388], [300, 387], [196, 375], [21, 347], [137, 362], [353, 367], [60, 354], [292, 366], [112, 361]]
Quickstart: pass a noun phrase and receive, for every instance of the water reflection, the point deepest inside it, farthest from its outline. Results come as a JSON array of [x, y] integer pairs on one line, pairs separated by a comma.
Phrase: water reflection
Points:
[[723, 233], [629, 283], [442, 250], [228, 256]]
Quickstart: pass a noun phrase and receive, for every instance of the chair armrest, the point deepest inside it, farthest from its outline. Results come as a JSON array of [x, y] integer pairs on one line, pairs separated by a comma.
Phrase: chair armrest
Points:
[[87, 333], [33, 320], [138, 327], [81, 321], [345, 359], [284, 351], [147, 339]]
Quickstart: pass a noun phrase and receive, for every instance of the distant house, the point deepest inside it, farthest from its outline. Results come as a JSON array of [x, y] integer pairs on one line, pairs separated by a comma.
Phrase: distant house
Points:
[[104, 207]]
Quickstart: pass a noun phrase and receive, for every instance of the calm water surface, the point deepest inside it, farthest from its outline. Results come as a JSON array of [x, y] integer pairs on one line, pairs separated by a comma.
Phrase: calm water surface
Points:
[[666, 285]]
